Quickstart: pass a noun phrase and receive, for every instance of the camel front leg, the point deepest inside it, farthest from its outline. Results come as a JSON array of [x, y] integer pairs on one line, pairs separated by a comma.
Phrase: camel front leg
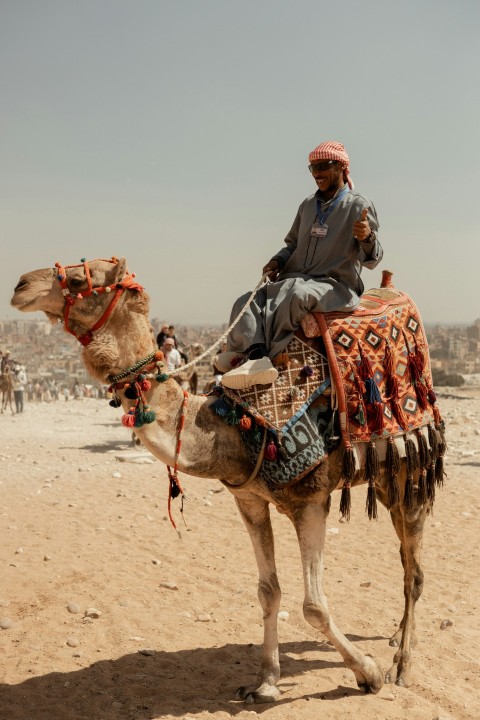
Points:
[[256, 516], [310, 525]]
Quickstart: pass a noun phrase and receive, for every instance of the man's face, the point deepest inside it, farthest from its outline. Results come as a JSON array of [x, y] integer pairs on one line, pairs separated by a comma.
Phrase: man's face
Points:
[[168, 345], [328, 175]]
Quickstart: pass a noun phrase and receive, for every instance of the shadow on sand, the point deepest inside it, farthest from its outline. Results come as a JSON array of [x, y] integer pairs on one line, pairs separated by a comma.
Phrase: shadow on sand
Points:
[[138, 687]]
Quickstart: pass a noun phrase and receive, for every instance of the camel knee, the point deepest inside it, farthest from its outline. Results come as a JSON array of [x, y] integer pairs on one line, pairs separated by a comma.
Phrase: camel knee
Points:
[[269, 595], [317, 615]]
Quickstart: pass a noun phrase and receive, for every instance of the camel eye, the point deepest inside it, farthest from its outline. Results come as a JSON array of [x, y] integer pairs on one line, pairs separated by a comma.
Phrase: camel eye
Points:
[[76, 282]]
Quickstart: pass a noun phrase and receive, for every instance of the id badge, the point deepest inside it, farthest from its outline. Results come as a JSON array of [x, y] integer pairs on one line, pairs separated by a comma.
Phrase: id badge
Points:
[[319, 230]]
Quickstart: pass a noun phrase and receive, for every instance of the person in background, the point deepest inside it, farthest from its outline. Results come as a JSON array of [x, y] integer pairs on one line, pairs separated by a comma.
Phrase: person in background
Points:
[[162, 335], [19, 380], [173, 359]]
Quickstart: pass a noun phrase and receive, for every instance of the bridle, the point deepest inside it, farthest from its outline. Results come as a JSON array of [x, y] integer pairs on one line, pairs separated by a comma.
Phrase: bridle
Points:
[[117, 288]]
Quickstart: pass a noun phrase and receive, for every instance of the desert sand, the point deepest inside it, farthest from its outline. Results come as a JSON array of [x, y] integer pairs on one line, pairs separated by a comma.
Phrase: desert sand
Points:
[[108, 615]]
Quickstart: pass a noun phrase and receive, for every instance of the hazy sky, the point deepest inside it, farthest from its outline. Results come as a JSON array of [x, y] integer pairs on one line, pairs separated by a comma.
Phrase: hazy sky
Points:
[[176, 133]]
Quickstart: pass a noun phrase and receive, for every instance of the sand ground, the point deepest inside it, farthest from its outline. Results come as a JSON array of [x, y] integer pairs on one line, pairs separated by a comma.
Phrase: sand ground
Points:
[[84, 526]]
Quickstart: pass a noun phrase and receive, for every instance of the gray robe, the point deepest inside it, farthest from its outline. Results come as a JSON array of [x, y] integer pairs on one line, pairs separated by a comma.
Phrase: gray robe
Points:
[[317, 274]]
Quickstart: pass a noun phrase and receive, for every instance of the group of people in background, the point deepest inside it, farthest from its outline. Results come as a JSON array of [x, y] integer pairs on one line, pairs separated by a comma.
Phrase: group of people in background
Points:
[[167, 342]]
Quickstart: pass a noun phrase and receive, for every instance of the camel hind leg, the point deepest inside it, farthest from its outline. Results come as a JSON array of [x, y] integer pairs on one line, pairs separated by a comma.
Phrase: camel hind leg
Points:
[[255, 513], [408, 525]]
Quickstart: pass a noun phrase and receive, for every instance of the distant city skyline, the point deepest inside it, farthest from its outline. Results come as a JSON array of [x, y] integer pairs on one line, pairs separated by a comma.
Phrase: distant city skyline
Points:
[[176, 134]]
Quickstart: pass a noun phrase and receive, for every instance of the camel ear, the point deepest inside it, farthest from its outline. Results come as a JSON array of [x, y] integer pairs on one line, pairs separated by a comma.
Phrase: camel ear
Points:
[[120, 270]]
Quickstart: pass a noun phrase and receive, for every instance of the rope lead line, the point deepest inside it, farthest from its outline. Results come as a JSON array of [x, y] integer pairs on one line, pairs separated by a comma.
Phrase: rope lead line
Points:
[[242, 312]]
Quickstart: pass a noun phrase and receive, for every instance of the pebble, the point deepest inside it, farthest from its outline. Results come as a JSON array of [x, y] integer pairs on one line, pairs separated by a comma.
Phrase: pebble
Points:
[[116, 474], [73, 642], [6, 623], [47, 557], [169, 585], [137, 638], [185, 614], [73, 608], [365, 584], [77, 654], [446, 623], [333, 531], [204, 617], [156, 562], [283, 615], [147, 652], [92, 613], [19, 551]]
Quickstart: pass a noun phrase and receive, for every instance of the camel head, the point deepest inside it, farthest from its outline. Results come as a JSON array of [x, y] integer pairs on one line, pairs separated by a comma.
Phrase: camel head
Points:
[[85, 298]]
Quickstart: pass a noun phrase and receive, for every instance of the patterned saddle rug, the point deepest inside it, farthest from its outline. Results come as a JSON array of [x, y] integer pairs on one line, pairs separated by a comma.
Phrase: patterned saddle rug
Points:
[[295, 430]]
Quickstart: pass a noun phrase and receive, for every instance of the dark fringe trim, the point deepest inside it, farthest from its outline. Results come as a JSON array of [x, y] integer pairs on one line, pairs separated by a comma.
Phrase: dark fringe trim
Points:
[[422, 487], [430, 482], [371, 504], [372, 462], [412, 456], [439, 471], [408, 494], [348, 463], [433, 441], [423, 451], [345, 501], [392, 468]]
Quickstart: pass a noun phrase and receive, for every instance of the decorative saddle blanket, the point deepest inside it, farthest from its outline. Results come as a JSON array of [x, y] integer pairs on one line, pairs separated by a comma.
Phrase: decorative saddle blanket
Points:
[[379, 362], [295, 430]]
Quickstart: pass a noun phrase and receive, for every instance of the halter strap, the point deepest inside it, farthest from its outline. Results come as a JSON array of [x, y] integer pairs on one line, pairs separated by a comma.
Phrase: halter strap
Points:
[[127, 283]]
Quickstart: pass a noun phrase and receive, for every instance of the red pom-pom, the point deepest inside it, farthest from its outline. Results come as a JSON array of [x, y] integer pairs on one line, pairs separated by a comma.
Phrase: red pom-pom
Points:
[[271, 451], [128, 420], [145, 384]]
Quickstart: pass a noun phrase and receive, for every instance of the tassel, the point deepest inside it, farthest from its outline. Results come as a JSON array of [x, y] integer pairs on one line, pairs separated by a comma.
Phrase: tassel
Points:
[[392, 468], [348, 463], [422, 488], [412, 456], [345, 501], [270, 451], [371, 503], [433, 441], [375, 419], [245, 423], [145, 384], [408, 494], [364, 367], [128, 420], [257, 434], [372, 471], [399, 414], [115, 402], [430, 483], [439, 471], [436, 415], [421, 393], [282, 360], [432, 398], [389, 361], [221, 407], [372, 391], [174, 488], [161, 377], [148, 416], [423, 451], [306, 371], [232, 417]]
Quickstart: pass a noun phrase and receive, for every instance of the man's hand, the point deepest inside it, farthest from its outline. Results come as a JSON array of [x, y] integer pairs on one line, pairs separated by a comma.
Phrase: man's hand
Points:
[[361, 228], [271, 269]]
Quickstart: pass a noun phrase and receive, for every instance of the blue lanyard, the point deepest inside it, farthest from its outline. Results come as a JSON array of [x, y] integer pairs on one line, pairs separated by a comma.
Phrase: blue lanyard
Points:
[[322, 217]]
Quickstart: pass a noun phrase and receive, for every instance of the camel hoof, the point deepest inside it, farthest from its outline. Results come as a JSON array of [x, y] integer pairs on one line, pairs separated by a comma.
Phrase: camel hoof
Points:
[[376, 677], [400, 682], [264, 694]]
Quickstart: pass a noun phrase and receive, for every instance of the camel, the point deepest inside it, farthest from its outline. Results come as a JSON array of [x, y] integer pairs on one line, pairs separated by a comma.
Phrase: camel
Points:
[[6, 388], [107, 311]]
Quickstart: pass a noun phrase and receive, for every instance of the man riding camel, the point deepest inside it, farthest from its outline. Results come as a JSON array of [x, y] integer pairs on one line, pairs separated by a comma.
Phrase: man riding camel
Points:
[[333, 236]]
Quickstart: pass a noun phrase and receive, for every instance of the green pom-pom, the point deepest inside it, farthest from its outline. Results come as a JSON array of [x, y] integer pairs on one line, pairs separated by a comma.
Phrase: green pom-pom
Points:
[[232, 417], [161, 377], [83, 259], [148, 416]]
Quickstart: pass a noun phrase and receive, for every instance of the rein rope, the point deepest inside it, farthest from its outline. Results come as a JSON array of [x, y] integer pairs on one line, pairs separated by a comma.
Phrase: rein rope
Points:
[[227, 332]]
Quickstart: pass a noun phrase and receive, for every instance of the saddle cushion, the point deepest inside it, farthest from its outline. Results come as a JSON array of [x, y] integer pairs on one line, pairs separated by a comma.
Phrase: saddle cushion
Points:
[[379, 364]]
